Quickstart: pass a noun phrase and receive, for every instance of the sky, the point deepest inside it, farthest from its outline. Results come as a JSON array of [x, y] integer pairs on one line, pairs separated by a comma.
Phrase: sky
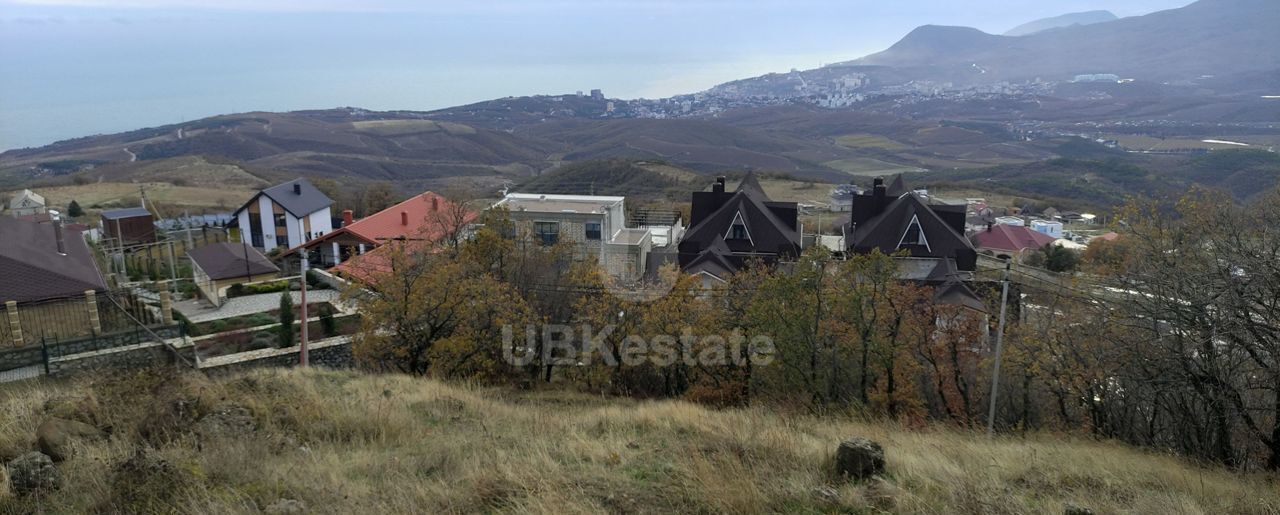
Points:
[[71, 68]]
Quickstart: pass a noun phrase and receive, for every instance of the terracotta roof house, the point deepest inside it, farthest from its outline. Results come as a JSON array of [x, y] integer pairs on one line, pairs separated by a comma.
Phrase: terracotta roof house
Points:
[[428, 216], [219, 266], [727, 229], [42, 261], [927, 232], [285, 215], [1011, 239]]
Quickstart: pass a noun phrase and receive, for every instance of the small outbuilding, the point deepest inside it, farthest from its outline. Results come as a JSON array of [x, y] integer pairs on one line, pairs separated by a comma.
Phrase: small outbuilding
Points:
[[217, 267], [129, 226]]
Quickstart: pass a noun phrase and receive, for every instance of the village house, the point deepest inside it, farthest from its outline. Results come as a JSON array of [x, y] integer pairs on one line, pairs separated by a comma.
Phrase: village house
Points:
[[49, 282], [26, 203], [284, 216], [595, 225], [728, 229], [1012, 241], [216, 268], [930, 234], [424, 217]]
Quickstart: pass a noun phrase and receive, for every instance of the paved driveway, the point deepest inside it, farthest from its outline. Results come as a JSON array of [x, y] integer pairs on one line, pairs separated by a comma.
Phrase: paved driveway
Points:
[[200, 311]]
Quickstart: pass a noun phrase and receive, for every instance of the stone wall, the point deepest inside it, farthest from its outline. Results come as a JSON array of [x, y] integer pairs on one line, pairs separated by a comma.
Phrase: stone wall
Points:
[[20, 357], [132, 357], [330, 353]]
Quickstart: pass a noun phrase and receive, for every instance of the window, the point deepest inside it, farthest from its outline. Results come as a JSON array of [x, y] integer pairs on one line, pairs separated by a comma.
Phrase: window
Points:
[[593, 230], [282, 241], [280, 220], [548, 232], [738, 229], [914, 235]]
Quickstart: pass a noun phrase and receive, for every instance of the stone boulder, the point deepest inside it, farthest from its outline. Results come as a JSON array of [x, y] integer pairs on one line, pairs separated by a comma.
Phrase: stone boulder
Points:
[[1076, 509], [225, 421], [859, 458], [56, 437], [33, 473]]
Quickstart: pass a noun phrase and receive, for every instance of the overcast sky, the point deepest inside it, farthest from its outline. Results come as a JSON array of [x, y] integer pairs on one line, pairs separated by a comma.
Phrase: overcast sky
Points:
[[108, 65]]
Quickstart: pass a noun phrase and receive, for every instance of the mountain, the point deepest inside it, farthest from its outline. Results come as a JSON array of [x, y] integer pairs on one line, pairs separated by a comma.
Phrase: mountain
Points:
[[1208, 37], [1066, 20]]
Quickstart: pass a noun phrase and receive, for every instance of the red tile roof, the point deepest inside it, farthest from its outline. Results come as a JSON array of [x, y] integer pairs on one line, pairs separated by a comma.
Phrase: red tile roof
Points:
[[1011, 238], [425, 216]]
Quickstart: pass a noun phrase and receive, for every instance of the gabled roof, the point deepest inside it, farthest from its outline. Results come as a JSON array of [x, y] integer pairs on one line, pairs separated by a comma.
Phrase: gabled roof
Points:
[[715, 260], [1011, 238], [772, 225], [230, 260], [31, 268], [128, 212], [956, 293], [897, 187], [886, 230], [299, 202], [21, 197]]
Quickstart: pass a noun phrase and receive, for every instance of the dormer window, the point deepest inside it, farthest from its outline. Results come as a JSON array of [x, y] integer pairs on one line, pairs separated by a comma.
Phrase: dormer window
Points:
[[914, 235], [738, 229]]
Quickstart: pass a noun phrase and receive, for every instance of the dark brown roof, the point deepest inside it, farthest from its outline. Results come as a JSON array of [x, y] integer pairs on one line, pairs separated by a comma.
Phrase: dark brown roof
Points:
[[227, 261], [128, 212], [884, 230], [31, 268], [771, 226]]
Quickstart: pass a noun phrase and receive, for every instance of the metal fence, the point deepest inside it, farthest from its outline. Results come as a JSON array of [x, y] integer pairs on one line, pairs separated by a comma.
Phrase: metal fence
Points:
[[81, 316]]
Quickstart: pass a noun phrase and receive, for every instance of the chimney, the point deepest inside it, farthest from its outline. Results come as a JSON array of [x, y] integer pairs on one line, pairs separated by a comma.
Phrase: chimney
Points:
[[297, 188], [348, 217], [435, 204], [988, 226], [719, 185], [404, 218], [879, 194], [57, 233]]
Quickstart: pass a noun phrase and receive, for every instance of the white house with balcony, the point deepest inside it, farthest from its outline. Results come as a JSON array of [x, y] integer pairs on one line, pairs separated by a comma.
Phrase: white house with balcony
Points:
[[284, 216]]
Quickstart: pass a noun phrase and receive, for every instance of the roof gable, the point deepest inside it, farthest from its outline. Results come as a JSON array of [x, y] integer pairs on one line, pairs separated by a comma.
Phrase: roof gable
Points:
[[886, 231], [299, 202]]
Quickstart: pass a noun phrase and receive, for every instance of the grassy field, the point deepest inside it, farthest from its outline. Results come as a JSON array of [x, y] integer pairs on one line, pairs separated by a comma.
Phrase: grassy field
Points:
[[863, 140], [340, 442], [868, 167], [401, 127], [109, 195], [1149, 143]]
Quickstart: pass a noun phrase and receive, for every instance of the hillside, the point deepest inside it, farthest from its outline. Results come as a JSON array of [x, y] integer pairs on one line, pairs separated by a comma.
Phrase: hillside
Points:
[[1065, 20], [636, 180], [339, 442], [1174, 44]]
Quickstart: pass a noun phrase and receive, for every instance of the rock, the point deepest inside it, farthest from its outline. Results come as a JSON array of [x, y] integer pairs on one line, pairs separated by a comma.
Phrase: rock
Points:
[[56, 437], [1076, 509], [859, 458], [225, 421], [286, 506], [33, 473]]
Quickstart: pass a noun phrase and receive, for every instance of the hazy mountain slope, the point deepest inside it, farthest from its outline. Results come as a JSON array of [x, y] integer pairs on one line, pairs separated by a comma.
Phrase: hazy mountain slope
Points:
[[1066, 20], [1209, 37]]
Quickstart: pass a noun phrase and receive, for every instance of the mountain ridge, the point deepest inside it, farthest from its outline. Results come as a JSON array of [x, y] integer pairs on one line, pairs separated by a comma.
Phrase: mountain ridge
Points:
[[1065, 20]]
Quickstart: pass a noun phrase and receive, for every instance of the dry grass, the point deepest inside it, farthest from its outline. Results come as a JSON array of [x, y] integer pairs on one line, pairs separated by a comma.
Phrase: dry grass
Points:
[[347, 443], [118, 194]]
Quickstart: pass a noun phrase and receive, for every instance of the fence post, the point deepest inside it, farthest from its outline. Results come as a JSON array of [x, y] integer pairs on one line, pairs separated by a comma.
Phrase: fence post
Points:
[[166, 307], [44, 355], [15, 324], [91, 304]]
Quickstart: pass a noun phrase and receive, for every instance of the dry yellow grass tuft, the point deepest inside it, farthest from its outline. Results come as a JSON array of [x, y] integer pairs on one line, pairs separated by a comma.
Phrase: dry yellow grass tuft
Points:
[[341, 442]]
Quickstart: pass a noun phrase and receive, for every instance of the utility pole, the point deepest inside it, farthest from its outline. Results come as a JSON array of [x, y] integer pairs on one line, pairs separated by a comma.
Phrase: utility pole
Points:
[[995, 374], [302, 348]]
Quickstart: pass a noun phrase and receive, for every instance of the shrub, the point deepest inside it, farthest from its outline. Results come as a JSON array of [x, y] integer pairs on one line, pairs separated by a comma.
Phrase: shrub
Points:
[[286, 320], [327, 324]]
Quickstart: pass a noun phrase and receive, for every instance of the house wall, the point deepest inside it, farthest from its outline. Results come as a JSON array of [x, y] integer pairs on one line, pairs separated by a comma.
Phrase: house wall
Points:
[[266, 222], [573, 227], [321, 222]]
